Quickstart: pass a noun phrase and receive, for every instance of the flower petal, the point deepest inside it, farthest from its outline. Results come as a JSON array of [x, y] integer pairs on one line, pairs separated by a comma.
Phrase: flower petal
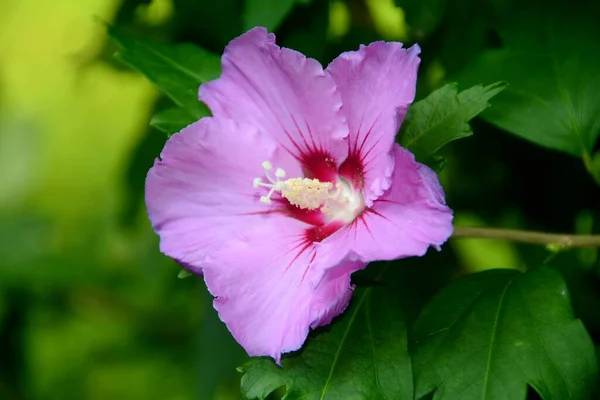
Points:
[[377, 84], [403, 222], [200, 193], [263, 289], [284, 94]]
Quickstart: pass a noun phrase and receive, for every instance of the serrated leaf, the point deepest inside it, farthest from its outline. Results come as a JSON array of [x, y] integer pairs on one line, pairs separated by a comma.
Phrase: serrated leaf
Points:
[[362, 355], [173, 120], [267, 13], [177, 70], [553, 66], [443, 116], [489, 334]]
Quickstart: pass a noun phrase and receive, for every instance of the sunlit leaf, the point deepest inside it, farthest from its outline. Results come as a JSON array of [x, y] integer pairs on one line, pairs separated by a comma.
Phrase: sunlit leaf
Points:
[[489, 334], [362, 355], [177, 70], [443, 116]]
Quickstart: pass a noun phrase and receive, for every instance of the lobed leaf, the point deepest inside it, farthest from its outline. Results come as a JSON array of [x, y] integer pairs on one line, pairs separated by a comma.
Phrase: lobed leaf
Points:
[[489, 334]]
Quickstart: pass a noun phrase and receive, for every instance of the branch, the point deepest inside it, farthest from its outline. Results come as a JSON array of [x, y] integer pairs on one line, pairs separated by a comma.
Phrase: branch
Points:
[[561, 240]]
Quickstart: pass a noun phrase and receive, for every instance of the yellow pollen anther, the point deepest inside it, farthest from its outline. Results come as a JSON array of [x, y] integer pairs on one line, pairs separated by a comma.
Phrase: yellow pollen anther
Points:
[[306, 193], [341, 203], [303, 193]]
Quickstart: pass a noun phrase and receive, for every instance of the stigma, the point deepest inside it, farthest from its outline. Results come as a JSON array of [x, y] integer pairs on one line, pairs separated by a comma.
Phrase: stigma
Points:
[[337, 201]]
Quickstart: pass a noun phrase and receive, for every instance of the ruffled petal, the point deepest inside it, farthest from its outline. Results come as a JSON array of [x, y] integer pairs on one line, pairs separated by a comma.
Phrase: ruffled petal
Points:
[[377, 84], [200, 193], [263, 289], [403, 222], [284, 94]]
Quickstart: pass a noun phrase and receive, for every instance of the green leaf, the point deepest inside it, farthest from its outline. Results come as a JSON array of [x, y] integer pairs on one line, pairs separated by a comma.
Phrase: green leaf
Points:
[[362, 355], [443, 116], [177, 70], [172, 120], [184, 273], [489, 334], [553, 66], [267, 13]]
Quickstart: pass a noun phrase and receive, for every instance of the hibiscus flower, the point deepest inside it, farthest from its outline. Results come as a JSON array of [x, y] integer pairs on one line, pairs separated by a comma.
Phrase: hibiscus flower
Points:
[[293, 184]]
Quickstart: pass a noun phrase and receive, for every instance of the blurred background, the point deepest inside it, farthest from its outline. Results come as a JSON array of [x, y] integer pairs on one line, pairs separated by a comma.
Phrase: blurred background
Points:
[[89, 308]]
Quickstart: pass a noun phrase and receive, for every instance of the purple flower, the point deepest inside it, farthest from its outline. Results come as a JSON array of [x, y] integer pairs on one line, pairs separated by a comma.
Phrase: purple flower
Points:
[[293, 184]]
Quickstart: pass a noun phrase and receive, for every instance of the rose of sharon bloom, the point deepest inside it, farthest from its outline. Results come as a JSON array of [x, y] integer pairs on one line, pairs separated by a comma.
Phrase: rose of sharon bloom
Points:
[[294, 183]]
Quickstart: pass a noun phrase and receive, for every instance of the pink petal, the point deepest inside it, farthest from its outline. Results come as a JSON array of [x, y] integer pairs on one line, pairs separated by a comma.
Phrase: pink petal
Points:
[[403, 222], [284, 94], [255, 258], [377, 84], [264, 292], [200, 193]]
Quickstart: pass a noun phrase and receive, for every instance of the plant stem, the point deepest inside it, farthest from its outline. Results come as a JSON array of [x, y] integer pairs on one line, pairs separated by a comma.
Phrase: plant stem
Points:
[[560, 240]]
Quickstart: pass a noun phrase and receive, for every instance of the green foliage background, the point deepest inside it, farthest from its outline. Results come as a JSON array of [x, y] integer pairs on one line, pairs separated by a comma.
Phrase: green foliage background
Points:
[[89, 309]]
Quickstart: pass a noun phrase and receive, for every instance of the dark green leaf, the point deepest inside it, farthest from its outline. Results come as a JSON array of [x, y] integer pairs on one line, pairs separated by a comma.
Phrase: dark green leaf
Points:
[[553, 66], [177, 70], [362, 355], [267, 13], [173, 120], [443, 116], [488, 335]]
